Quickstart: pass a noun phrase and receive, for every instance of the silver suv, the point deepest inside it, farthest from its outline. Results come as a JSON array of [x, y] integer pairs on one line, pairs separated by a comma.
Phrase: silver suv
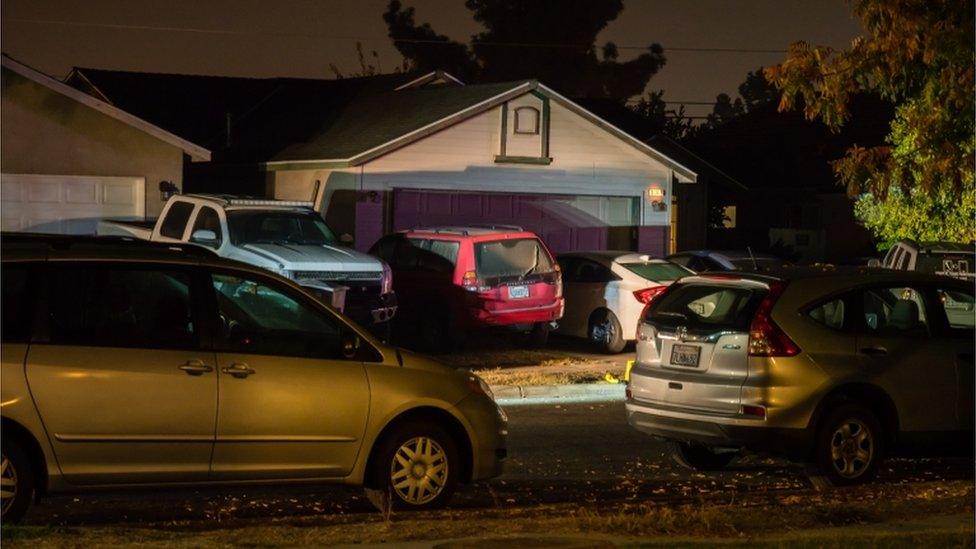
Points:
[[835, 368]]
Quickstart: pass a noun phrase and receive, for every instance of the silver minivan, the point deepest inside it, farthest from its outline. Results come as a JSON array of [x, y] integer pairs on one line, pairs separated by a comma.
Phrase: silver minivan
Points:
[[830, 367]]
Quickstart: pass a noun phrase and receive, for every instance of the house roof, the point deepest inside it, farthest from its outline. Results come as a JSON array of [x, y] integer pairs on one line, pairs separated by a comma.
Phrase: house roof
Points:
[[293, 122], [196, 152]]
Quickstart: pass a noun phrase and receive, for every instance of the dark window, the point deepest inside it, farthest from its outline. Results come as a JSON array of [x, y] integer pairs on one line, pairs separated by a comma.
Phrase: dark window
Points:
[[592, 272], [437, 256], [527, 120], [258, 317], [176, 218], [121, 306], [656, 272], [208, 220], [16, 304], [568, 267], [830, 314], [700, 307], [958, 307], [385, 247], [683, 260], [894, 311], [516, 257]]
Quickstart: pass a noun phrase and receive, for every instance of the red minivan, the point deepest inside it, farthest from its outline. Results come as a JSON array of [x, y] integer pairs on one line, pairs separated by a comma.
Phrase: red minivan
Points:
[[452, 279]]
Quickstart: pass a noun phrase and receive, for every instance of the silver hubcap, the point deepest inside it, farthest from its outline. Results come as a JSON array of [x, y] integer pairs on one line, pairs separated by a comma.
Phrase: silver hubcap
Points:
[[851, 448], [419, 470], [8, 483]]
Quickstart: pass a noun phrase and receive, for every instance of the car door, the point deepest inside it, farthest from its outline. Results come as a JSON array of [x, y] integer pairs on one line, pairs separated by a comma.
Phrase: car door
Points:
[[956, 334], [589, 292], [571, 323], [119, 373], [291, 406], [897, 345]]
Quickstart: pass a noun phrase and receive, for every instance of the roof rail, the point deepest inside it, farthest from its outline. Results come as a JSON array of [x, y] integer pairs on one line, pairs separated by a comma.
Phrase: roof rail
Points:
[[234, 200], [67, 242], [496, 226]]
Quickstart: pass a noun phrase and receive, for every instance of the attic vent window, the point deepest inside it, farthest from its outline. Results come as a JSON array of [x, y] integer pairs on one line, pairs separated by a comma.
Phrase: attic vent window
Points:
[[527, 120]]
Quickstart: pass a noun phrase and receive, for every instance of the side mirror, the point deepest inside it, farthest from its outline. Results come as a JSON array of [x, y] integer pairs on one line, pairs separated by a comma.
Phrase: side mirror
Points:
[[346, 239], [874, 262], [205, 237], [350, 344]]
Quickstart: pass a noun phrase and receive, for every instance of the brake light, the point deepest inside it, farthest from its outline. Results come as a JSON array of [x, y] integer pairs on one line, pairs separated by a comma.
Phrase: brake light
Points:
[[765, 337], [647, 295], [387, 280]]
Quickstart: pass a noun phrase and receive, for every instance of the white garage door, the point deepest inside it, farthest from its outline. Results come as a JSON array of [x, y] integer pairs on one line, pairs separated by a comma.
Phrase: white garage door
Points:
[[67, 204]]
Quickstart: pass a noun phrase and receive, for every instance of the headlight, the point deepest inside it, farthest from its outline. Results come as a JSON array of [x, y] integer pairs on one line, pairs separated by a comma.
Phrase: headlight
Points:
[[476, 384]]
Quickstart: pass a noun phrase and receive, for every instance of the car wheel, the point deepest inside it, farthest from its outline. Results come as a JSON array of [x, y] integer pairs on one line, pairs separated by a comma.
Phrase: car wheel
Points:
[[606, 333], [699, 457], [16, 481], [850, 445], [416, 468], [538, 336]]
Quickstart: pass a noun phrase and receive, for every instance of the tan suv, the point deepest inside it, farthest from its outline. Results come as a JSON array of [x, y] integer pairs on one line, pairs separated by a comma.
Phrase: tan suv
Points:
[[128, 363], [836, 368]]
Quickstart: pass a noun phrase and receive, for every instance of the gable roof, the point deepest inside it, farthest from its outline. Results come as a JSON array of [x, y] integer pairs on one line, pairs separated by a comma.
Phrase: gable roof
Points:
[[294, 122], [194, 151]]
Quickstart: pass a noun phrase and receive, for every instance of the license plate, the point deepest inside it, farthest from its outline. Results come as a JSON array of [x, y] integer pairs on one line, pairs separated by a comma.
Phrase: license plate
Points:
[[518, 292], [685, 355]]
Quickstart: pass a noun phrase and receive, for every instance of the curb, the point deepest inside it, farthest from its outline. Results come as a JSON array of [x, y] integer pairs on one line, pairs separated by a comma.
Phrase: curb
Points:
[[535, 394]]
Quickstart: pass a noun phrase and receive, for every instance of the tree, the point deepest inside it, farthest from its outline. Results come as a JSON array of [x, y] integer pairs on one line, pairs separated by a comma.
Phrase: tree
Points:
[[550, 40], [754, 92], [659, 119], [919, 56]]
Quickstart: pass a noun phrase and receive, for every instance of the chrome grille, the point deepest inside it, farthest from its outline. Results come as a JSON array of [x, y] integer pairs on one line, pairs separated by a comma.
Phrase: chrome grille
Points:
[[338, 276]]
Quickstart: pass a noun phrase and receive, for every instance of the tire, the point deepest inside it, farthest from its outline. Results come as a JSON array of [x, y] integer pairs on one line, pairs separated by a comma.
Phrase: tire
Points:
[[17, 474], [850, 445], [538, 337], [605, 332], [698, 457], [409, 484]]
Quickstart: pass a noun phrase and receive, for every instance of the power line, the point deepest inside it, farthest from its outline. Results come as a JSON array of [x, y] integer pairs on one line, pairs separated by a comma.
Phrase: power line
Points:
[[225, 32]]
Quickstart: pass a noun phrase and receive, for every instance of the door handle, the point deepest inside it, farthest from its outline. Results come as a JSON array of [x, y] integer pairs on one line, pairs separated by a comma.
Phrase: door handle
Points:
[[195, 368], [874, 351], [238, 370]]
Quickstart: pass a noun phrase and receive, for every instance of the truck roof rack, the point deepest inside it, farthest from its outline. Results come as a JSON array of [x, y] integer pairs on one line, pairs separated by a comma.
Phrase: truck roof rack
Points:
[[234, 200]]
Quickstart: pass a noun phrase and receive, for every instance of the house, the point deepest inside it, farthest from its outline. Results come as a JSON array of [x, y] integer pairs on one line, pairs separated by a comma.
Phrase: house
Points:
[[391, 152], [68, 159]]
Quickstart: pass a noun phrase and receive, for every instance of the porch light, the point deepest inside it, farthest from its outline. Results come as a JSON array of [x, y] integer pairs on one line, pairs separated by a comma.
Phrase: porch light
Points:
[[656, 195]]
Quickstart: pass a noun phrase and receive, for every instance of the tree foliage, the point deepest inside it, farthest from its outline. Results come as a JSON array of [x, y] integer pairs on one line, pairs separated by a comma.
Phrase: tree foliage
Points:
[[933, 216], [550, 40], [918, 55]]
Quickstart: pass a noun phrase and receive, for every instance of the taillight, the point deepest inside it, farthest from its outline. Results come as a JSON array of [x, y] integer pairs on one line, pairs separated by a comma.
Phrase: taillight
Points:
[[765, 337], [386, 286], [647, 295], [470, 281], [558, 280]]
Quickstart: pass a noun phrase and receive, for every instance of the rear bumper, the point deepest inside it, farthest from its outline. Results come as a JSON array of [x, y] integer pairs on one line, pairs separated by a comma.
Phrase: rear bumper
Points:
[[719, 431], [371, 310], [525, 315]]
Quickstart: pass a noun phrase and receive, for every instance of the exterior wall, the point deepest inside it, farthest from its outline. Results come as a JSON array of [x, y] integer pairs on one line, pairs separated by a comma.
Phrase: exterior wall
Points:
[[44, 132], [586, 161]]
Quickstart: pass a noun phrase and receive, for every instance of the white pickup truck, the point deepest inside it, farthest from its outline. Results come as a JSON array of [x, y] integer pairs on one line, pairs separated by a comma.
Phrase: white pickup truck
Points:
[[285, 237]]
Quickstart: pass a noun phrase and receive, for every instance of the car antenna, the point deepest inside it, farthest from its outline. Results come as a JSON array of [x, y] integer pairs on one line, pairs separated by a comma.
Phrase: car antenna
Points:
[[755, 264]]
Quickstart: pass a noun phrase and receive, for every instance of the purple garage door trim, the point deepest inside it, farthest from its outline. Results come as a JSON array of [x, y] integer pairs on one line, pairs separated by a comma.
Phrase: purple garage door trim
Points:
[[561, 226]]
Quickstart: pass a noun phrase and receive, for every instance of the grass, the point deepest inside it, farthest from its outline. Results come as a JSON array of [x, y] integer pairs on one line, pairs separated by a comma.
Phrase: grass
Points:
[[926, 514], [499, 376]]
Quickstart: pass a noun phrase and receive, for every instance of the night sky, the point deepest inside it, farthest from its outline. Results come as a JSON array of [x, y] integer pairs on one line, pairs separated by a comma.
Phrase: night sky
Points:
[[303, 37]]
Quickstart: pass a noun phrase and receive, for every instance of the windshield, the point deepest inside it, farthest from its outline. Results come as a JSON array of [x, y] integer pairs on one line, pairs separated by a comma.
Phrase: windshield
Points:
[[517, 257], [657, 272], [285, 227]]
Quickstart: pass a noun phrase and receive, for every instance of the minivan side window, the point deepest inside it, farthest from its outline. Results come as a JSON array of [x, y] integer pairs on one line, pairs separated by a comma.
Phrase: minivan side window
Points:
[[17, 313], [208, 219], [895, 311], [121, 306], [175, 221], [257, 317]]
